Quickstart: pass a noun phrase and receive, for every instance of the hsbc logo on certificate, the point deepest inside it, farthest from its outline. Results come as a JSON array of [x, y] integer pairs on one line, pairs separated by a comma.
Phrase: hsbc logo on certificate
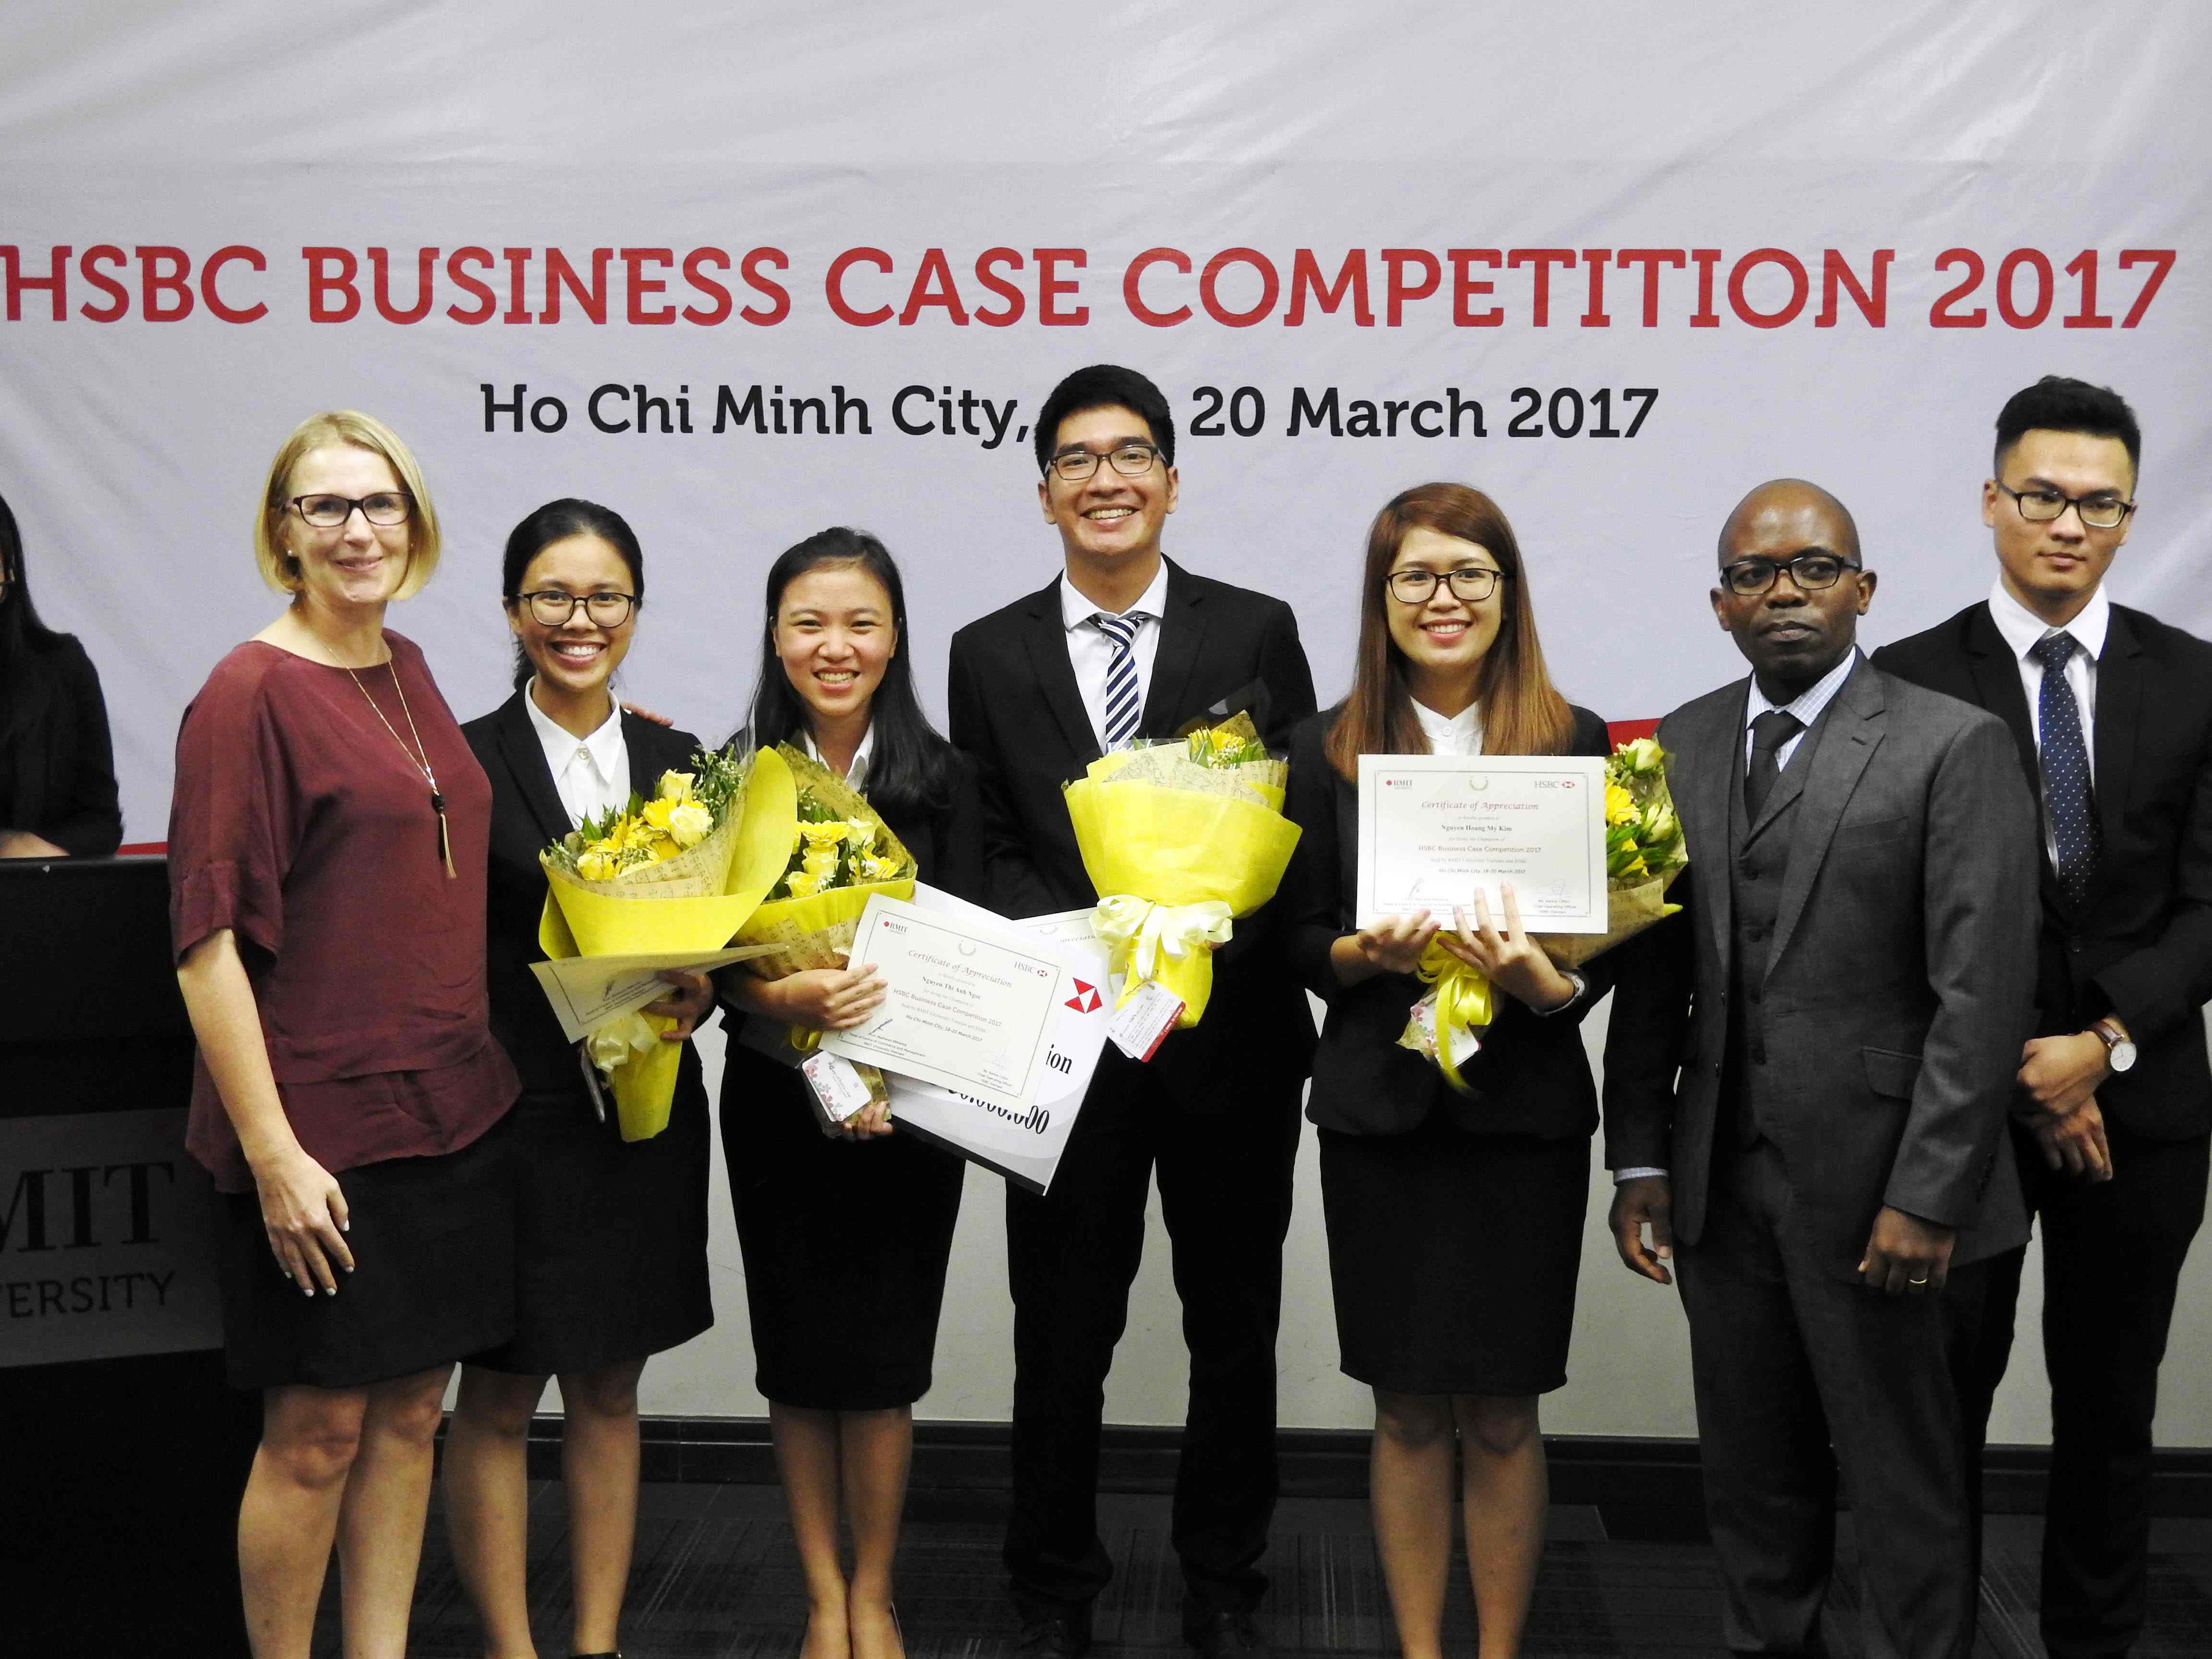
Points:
[[1085, 999]]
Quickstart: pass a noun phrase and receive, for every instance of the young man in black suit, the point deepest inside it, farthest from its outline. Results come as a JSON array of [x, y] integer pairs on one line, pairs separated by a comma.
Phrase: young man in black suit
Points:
[[2110, 711], [1125, 644]]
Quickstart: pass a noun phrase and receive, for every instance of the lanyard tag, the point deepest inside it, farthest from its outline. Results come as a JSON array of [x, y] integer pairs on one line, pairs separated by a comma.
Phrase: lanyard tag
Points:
[[1141, 1025], [839, 1089]]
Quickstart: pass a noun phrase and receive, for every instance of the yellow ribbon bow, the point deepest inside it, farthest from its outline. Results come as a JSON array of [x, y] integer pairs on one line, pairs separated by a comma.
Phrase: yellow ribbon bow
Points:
[[1149, 941], [622, 1038], [1463, 1003]]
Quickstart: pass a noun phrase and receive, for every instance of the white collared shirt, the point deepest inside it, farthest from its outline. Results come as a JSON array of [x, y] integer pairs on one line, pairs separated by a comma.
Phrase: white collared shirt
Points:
[[1807, 706], [1090, 653], [1456, 734], [590, 774], [857, 774], [2023, 630]]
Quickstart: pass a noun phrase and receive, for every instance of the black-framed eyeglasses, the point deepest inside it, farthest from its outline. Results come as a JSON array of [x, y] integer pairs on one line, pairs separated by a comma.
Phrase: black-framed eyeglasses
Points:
[[1472, 582], [552, 608], [2099, 510], [1809, 571], [1131, 460], [384, 508]]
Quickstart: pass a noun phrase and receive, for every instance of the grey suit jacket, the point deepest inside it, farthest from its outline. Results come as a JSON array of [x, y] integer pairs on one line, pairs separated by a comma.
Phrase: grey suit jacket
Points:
[[1899, 981]]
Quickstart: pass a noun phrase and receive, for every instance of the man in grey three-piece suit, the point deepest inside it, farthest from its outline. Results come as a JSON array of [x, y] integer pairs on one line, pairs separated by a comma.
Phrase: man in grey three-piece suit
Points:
[[1844, 999]]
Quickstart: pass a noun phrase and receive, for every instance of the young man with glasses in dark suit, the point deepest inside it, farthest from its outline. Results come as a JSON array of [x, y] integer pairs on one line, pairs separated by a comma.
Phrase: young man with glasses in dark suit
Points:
[[1125, 644], [2110, 713]]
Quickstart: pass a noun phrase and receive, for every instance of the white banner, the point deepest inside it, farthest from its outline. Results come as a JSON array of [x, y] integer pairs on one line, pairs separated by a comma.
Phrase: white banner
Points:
[[741, 273]]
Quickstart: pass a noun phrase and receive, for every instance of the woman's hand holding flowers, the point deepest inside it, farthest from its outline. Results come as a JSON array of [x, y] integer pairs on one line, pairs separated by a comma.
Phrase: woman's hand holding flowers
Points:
[[694, 996]]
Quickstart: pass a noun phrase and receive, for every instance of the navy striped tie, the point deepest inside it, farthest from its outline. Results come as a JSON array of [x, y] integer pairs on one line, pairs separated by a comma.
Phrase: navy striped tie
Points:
[[2065, 759], [1122, 703]]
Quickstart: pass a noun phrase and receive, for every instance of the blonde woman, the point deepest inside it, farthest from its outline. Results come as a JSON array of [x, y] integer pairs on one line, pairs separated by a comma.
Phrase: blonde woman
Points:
[[326, 860]]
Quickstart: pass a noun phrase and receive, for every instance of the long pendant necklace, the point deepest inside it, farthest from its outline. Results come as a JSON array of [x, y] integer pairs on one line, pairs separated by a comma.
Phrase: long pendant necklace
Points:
[[420, 756]]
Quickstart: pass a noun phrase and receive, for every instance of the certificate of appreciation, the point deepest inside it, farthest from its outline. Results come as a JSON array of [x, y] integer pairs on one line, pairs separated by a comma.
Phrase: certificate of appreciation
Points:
[[968, 1005], [1434, 830], [1022, 1145]]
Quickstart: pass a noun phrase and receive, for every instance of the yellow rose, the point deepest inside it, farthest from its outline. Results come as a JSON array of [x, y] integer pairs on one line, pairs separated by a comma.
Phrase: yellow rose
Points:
[[689, 824], [676, 786], [1642, 755], [823, 835], [858, 834], [597, 865], [803, 885], [821, 862], [657, 811], [878, 869]]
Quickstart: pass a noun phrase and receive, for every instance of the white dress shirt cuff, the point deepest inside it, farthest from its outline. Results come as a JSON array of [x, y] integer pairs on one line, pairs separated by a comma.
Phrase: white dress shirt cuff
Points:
[[1640, 1172]]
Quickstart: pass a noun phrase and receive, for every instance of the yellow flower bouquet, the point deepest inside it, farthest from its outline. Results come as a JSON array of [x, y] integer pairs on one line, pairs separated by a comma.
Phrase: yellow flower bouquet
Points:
[[1644, 854], [833, 851], [672, 874], [1180, 838]]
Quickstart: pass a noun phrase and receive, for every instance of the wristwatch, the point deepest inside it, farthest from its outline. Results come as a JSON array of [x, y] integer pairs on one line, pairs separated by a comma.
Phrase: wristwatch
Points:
[[2119, 1047], [1582, 990]]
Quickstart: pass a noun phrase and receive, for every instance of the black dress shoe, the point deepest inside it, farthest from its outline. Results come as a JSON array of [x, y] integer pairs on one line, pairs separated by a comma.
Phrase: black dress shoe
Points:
[[1057, 1637], [1220, 1634]]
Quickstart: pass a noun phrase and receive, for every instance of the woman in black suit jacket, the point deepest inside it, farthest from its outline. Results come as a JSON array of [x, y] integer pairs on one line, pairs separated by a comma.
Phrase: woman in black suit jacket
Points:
[[57, 765], [846, 1238], [611, 1256], [1454, 1221]]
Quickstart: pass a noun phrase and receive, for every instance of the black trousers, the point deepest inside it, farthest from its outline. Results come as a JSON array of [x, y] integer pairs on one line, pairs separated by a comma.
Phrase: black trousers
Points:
[[1224, 1181], [1799, 1372], [2112, 1254]]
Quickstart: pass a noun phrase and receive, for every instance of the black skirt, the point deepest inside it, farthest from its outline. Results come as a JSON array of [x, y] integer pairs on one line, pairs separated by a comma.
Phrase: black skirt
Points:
[[845, 1244], [610, 1236], [432, 1242], [1454, 1257]]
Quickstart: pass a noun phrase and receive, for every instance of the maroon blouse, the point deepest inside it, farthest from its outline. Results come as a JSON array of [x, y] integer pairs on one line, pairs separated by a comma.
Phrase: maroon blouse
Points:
[[304, 825]]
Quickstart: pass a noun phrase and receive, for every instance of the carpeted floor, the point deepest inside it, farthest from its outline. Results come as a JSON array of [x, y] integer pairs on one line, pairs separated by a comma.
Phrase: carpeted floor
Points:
[[714, 1575]]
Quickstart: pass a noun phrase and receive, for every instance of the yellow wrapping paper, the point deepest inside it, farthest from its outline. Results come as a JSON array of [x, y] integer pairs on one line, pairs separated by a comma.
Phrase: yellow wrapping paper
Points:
[[817, 931], [578, 920], [1175, 847]]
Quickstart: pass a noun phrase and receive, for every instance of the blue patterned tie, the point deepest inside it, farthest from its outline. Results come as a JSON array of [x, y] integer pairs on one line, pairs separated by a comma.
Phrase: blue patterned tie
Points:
[[1122, 702], [2065, 758]]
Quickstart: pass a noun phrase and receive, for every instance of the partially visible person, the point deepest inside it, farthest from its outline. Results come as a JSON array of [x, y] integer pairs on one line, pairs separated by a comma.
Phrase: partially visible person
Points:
[[1124, 643], [610, 1240], [845, 1238], [2111, 715], [326, 862], [1455, 1222], [57, 764], [1806, 1075]]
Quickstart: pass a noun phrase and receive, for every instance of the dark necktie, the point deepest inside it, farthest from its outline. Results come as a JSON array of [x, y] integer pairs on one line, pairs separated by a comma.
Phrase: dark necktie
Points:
[[2065, 760], [1768, 733], [1122, 701]]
